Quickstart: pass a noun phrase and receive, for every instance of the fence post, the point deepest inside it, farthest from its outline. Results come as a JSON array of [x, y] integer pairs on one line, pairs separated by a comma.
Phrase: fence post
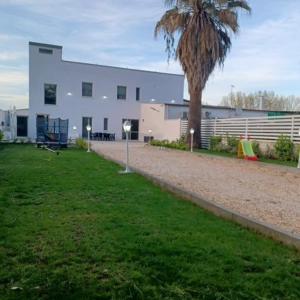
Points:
[[246, 130], [292, 128]]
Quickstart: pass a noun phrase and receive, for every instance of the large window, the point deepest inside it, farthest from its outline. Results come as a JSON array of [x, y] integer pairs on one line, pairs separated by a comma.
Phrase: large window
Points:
[[137, 94], [121, 93], [87, 89], [105, 125], [50, 93]]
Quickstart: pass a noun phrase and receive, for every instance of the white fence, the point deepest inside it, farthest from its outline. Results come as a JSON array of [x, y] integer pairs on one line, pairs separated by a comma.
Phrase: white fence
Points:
[[266, 129]]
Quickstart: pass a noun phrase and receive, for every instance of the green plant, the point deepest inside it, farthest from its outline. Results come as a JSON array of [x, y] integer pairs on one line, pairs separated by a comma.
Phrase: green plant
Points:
[[296, 153], [81, 143], [179, 144], [215, 143], [232, 143], [284, 148], [256, 148], [1, 135]]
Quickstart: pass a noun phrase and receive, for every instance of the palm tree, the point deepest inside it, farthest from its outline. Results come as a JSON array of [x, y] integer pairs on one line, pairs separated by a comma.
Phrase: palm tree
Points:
[[202, 28]]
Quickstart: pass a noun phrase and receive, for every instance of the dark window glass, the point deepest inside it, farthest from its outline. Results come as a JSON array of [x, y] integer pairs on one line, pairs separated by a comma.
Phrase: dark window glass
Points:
[[105, 125], [45, 51], [22, 126], [137, 94], [121, 94], [87, 89], [50, 93]]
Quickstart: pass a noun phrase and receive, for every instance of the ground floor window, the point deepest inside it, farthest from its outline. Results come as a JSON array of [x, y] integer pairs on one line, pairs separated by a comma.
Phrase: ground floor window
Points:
[[105, 125], [85, 122], [22, 126], [134, 133]]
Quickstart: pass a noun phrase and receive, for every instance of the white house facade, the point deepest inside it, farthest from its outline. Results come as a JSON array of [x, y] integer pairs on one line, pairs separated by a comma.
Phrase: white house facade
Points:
[[83, 93]]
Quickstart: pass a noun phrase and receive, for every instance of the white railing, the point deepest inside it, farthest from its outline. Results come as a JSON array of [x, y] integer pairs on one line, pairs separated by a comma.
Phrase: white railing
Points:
[[266, 129]]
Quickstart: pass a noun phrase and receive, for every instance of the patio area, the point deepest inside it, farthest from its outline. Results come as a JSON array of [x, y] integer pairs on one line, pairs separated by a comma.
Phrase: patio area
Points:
[[263, 192]]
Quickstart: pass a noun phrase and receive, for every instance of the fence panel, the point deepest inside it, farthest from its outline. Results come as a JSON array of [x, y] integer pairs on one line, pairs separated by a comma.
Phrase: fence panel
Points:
[[266, 129]]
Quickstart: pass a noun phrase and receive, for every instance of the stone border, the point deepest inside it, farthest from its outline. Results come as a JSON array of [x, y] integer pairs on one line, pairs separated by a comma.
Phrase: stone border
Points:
[[268, 230]]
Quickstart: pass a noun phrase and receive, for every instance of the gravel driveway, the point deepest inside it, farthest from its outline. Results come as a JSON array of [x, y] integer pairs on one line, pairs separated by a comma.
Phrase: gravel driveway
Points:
[[263, 192]]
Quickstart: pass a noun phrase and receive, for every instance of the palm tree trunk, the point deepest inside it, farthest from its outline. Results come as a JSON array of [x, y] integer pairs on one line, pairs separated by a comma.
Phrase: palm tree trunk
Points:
[[195, 116]]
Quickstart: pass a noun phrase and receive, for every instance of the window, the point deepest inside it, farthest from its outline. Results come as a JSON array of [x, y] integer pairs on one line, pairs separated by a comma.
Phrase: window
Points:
[[45, 51], [121, 94], [22, 126], [87, 89], [137, 94], [50, 93], [105, 125]]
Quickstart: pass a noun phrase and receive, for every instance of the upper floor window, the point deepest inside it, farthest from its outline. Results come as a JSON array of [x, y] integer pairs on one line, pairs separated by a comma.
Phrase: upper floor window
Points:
[[45, 51], [137, 94], [121, 93], [50, 93], [87, 89]]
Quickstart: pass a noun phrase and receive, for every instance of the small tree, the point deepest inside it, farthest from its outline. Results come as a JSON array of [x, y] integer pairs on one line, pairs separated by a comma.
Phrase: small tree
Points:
[[284, 148]]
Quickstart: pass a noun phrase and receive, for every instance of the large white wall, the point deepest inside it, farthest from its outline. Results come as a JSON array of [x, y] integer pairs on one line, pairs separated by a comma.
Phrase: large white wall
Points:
[[46, 68]]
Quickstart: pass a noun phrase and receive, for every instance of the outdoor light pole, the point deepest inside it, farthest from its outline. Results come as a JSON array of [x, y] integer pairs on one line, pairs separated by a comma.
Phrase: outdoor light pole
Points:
[[192, 131], [127, 128], [89, 128]]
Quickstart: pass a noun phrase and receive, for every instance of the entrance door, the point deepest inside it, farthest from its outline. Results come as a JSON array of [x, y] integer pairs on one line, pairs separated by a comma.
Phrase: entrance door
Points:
[[85, 122], [22, 123], [134, 133]]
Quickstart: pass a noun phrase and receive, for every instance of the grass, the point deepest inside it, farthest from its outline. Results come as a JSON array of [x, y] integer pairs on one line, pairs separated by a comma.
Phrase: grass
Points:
[[261, 159], [72, 228]]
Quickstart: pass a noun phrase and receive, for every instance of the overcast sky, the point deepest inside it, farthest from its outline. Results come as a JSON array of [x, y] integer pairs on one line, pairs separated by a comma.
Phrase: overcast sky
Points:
[[265, 54]]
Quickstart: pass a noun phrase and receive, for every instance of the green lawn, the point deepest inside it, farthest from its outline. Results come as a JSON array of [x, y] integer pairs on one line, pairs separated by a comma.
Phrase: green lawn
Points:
[[72, 228], [261, 159]]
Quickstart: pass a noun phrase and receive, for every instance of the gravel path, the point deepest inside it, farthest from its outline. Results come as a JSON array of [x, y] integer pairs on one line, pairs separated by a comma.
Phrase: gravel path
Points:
[[263, 192]]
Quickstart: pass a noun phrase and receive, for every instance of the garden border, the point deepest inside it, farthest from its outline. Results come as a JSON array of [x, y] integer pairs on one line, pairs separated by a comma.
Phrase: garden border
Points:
[[268, 230]]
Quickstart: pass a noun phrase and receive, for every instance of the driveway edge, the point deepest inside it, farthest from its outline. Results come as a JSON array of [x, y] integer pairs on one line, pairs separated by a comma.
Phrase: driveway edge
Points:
[[268, 230]]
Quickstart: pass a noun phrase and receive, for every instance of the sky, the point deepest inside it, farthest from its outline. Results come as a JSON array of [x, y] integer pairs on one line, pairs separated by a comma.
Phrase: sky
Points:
[[265, 55]]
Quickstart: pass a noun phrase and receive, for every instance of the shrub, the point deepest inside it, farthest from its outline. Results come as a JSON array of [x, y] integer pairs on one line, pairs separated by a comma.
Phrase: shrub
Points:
[[296, 153], [284, 148], [232, 143], [215, 143], [256, 148], [179, 144], [81, 143], [1, 135]]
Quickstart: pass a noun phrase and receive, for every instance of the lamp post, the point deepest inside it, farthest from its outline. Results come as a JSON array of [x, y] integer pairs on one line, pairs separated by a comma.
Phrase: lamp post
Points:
[[192, 131], [89, 128], [127, 128]]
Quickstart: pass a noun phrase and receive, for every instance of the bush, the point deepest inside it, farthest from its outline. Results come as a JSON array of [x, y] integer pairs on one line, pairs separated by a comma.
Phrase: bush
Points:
[[284, 148], [179, 144], [215, 143], [256, 149], [81, 143], [296, 153], [1, 135], [232, 143]]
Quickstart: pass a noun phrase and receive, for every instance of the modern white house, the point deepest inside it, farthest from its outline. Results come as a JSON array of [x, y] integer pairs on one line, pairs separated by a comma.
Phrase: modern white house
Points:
[[101, 96]]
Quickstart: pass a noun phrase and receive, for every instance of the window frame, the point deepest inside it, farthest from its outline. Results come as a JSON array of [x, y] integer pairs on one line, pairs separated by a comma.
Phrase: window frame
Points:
[[45, 51], [50, 84], [119, 96], [92, 90]]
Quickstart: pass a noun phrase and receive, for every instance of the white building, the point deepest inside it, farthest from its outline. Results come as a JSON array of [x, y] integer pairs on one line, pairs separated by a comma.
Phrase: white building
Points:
[[101, 96]]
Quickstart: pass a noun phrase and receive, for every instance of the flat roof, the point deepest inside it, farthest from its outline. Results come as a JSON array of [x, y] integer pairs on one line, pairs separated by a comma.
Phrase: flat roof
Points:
[[45, 45], [231, 108]]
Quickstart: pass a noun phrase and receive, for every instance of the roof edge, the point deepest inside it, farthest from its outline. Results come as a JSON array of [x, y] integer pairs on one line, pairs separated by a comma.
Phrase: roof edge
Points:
[[45, 45]]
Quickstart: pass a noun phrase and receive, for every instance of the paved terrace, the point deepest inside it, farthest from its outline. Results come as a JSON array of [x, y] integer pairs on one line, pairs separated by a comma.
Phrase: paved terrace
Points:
[[267, 193]]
